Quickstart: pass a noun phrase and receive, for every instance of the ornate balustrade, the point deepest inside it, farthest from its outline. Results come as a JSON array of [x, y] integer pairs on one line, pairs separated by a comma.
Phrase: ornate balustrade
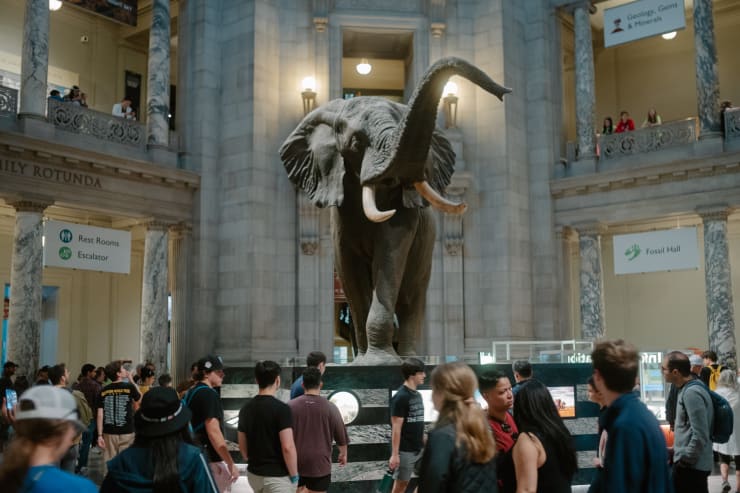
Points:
[[73, 118], [670, 134], [8, 101], [732, 124]]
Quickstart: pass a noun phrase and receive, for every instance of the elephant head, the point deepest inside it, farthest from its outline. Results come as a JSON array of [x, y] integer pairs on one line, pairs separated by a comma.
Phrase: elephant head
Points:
[[379, 144]]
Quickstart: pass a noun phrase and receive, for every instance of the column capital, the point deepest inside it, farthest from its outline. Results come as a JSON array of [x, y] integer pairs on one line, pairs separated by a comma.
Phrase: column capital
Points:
[[438, 29], [590, 228], [718, 212], [563, 231], [583, 4], [320, 23], [25, 205], [156, 225], [180, 229]]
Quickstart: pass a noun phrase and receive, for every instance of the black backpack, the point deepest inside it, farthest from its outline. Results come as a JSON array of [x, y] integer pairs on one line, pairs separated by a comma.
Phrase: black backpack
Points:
[[722, 425]]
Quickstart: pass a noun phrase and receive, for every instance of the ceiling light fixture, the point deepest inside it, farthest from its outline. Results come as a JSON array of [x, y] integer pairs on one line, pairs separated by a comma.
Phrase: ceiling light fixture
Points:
[[670, 35], [364, 67], [55, 4]]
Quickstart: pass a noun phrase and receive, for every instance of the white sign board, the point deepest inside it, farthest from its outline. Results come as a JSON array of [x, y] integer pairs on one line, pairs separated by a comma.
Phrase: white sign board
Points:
[[670, 249], [642, 19], [76, 246]]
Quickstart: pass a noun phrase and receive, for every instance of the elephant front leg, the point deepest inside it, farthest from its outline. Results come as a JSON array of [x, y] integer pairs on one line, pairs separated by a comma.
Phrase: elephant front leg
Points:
[[380, 334]]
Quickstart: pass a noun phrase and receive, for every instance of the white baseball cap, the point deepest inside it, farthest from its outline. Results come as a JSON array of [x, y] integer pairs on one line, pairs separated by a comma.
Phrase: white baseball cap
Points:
[[696, 360], [48, 402]]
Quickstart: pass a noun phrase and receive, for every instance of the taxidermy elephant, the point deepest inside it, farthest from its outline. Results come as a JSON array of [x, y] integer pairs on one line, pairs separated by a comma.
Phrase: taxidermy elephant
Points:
[[380, 164]]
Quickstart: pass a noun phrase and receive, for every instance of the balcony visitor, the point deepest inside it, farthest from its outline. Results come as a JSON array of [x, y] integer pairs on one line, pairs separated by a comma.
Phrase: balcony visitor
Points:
[[608, 126], [76, 96], [626, 124], [652, 119], [55, 95], [124, 109]]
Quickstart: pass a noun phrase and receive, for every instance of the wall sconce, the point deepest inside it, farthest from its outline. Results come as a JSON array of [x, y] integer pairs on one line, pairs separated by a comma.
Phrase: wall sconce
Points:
[[450, 103], [669, 35], [308, 95], [364, 67], [55, 5]]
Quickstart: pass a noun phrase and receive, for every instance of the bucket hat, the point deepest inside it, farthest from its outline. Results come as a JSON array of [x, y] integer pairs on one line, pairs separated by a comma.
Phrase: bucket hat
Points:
[[161, 413]]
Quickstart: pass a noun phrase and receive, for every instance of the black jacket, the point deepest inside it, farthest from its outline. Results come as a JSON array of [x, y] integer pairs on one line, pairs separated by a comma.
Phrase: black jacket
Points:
[[444, 467]]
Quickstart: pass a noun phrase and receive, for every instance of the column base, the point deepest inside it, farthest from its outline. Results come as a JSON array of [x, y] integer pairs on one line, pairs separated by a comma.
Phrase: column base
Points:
[[709, 144], [34, 125], [583, 166], [162, 155]]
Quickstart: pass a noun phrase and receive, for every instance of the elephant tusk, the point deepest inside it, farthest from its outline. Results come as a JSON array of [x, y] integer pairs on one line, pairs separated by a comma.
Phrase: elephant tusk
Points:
[[370, 209], [437, 201]]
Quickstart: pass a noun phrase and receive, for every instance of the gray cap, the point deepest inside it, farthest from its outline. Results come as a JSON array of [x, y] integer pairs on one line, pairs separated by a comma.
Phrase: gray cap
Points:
[[47, 402], [696, 360]]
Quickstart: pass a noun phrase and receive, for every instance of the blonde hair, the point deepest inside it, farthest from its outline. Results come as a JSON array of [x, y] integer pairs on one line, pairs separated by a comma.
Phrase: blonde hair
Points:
[[456, 383]]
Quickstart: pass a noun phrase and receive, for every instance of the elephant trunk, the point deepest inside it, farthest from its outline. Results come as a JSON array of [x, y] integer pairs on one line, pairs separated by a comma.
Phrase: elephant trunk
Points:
[[414, 135]]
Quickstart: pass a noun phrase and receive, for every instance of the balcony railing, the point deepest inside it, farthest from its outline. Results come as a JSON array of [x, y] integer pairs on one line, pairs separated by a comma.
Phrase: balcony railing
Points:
[[671, 134], [8, 102], [732, 124], [73, 118]]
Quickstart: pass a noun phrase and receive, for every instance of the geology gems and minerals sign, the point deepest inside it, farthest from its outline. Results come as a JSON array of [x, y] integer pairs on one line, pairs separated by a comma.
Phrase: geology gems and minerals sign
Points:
[[76, 246], [670, 249], [642, 19]]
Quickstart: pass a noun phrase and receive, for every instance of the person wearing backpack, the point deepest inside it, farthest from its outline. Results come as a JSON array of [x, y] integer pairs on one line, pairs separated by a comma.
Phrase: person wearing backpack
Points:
[[693, 458], [207, 421], [711, 371], [727, 388]]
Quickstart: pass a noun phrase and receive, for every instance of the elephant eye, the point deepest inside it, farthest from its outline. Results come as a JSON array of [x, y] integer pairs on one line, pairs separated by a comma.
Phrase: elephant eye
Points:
[[356, 143]]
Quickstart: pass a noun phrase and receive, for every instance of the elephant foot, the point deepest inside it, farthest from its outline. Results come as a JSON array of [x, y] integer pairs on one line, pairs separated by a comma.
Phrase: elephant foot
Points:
[[377, 356], [406, 350]]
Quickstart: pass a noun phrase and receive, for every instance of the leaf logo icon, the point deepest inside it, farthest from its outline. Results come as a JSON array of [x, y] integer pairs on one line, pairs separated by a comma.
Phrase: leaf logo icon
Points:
[[632, 252]]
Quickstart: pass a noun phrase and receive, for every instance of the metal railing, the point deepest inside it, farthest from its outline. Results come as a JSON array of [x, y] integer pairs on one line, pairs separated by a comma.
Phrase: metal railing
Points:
[[732, 123], [567, 351], [74, 118], [8, 102], [670, 134]]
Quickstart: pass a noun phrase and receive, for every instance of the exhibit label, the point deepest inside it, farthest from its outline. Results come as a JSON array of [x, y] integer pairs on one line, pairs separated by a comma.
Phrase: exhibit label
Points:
[[665, 250], [76, 246], [642, 19]]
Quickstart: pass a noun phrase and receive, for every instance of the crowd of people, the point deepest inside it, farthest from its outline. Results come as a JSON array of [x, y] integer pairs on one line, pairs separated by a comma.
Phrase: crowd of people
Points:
[[155, 438], [124, 109]]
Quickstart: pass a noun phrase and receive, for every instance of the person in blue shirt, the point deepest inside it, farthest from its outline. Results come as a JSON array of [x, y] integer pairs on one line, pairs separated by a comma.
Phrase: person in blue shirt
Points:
[[636, 456], [46, 423], [315, 359]]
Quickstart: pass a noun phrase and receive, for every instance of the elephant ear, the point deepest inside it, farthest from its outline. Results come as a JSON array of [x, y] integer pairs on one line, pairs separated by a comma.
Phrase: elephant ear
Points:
[[311, 158], [439, 169]]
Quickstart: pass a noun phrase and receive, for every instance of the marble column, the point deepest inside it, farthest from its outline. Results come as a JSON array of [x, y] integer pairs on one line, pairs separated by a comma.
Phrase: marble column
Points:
[[585, 83], [35, 59], [24, 325], [563, 238], [180, 327], [718, 281], [707, 72], [593, 323], [154, 326], [158, 84]]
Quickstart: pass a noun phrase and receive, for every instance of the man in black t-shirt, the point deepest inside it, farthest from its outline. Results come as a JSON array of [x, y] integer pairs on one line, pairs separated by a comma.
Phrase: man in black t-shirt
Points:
[[115, 411], [208, 419], [407, 424], [266, 436]]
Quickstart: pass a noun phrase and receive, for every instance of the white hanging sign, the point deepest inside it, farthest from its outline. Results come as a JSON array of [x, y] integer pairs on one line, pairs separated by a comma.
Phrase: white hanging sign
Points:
[[642, 19], [665, 250], [76, 246]]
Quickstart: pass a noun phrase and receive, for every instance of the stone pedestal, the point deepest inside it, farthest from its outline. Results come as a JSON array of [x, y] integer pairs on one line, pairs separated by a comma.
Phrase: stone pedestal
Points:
[[35, 59], [707, 73], [26, 273], [720, 315], [158, 83], [154, 328], [591, 281]]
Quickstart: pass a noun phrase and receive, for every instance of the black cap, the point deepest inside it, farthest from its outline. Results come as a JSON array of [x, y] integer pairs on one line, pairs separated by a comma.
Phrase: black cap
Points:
[[9, 364], [210, 363]]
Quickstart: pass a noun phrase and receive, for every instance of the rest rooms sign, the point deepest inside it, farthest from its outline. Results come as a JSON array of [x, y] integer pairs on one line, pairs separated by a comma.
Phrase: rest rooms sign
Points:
[[642, 19], [75, 246], [670, 249]]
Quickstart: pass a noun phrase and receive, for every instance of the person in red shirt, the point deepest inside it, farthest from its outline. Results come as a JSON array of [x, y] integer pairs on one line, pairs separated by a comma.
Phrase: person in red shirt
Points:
[[626, 124], [495, 388]]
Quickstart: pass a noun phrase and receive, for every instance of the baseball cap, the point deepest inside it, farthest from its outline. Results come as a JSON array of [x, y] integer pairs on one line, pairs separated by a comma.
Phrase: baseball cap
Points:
[[48, 402], [210, 363], [696, 360], [9, 364]]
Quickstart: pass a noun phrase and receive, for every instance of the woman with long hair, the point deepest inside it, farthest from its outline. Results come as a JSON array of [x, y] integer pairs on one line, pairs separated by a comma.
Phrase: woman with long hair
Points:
[[730, 451], [544, 454], [162, 458], [458, 456], [608, 126], [45, 425]]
